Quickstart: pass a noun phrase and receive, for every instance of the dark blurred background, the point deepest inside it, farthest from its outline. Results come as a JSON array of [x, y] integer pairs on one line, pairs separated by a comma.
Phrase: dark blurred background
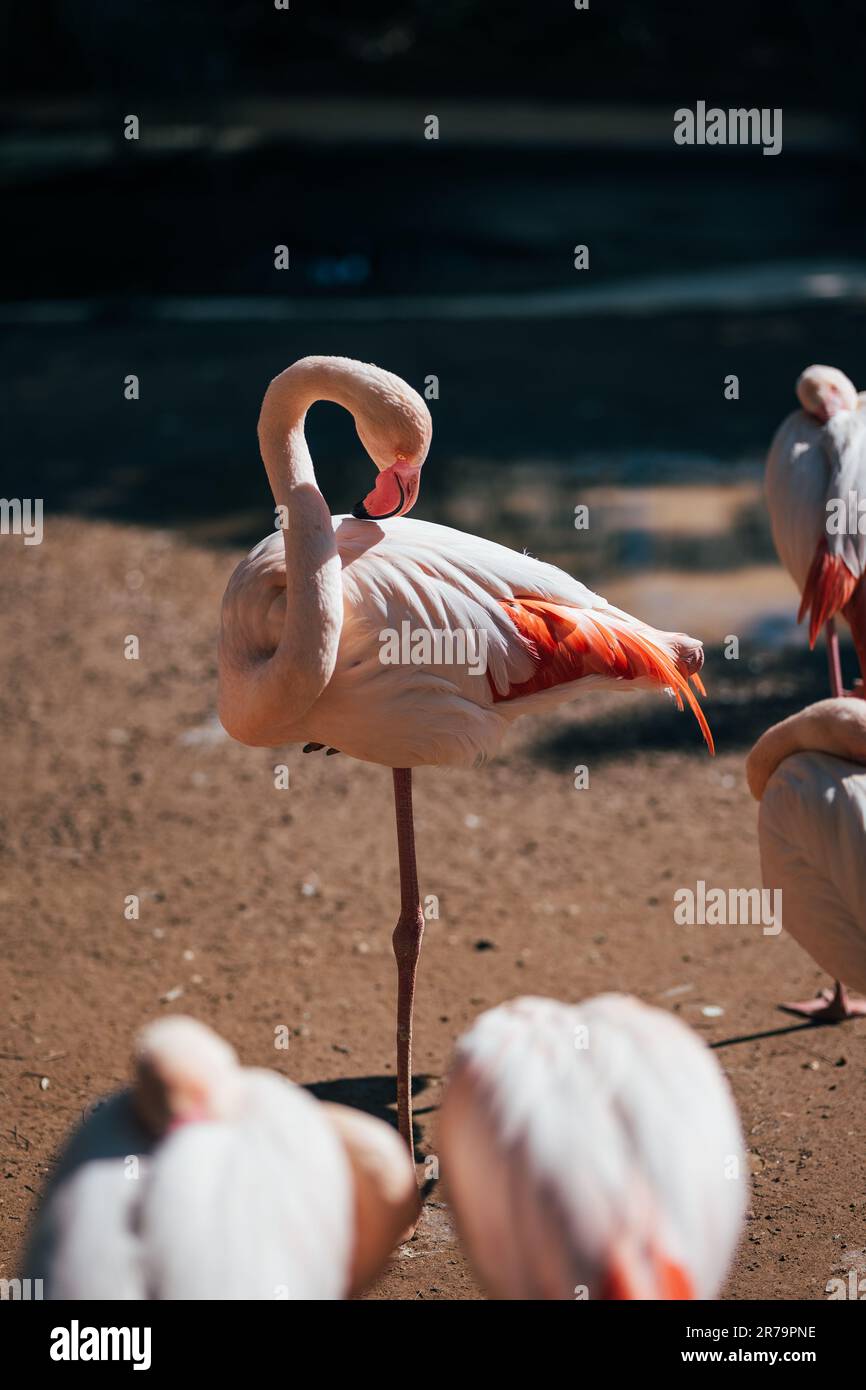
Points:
[[450, 258]]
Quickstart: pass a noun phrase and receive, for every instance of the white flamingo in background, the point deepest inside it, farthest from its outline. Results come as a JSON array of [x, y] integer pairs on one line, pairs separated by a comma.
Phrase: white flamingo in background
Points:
[[592, 1151], [819, 454], [301, 654], [212, 1181], [809, 774]]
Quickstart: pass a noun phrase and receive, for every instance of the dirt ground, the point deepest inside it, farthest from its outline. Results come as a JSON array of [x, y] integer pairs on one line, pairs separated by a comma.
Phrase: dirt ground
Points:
[[262, 907]]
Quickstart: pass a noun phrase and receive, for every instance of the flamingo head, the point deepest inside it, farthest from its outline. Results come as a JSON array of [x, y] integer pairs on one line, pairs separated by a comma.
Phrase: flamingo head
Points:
[[824, 391], [184, 1073], [395, 429]]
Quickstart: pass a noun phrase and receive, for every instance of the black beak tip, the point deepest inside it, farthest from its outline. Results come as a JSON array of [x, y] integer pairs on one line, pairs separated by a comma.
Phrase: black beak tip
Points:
[[360, 511]]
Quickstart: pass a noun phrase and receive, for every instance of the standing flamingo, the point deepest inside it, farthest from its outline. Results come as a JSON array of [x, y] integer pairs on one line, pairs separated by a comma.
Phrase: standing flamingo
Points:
[[212, 1181], [302, 654], [809, 774], [592, 1151], [818, 456]]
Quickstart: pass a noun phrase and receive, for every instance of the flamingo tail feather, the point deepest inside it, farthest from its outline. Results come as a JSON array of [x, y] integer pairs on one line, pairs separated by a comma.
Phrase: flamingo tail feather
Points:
[[828, 589], [568, 643]]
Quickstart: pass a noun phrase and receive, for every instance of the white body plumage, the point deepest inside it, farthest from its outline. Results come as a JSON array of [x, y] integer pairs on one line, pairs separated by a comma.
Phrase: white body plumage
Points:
[[594, 1151], [212, 1181], [437, 581], [809, 774]]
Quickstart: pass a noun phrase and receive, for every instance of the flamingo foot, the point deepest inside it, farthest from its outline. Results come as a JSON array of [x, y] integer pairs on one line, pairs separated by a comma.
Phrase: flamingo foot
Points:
[[830, 1006], [411, 1231]]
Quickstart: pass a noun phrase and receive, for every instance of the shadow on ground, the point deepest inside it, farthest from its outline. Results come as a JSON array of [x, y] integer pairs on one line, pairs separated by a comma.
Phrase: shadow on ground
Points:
[[744, 698], [375, 1095]]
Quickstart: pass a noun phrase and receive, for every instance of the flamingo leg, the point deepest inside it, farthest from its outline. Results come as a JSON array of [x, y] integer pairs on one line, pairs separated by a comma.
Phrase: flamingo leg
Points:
[[830, 1006], [407, 948], [834, 660]]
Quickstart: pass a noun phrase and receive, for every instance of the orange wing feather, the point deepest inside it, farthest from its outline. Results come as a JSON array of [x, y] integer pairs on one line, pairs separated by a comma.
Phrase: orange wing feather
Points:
[[568, 643], [828, 588]]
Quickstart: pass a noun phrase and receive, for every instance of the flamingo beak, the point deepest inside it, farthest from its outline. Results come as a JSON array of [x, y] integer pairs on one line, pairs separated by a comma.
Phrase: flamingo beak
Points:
[[395, 493]]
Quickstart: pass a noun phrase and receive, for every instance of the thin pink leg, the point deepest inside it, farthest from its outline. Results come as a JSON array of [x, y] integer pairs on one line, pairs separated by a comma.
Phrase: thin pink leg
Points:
[[830, 1006], [407, 948], [834, 660]]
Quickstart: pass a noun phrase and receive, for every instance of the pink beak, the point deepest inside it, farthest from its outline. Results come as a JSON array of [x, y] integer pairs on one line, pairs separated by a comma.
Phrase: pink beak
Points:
[[395, 493]]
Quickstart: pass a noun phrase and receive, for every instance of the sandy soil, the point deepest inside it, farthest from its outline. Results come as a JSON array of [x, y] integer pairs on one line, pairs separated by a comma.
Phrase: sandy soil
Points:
[[263, 907]]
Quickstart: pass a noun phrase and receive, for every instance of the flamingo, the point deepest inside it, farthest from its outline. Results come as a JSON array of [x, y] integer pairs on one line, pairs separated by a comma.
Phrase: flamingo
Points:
[[818, 457], [207, 1180], [819, 454], [809, 775], [305, 617], [592, 1151]]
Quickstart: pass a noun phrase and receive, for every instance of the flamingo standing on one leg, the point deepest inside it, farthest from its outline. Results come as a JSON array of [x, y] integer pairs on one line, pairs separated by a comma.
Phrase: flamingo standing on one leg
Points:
[[592, 1151], [207, 1180], [809, 774], [818, 456], [303, 657]]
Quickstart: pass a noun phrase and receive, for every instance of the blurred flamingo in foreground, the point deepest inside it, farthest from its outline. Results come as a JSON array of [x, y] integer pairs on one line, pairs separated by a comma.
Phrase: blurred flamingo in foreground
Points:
[[212, 1181], [818, 456], [592, 1151], [809, 774], [486, 635]]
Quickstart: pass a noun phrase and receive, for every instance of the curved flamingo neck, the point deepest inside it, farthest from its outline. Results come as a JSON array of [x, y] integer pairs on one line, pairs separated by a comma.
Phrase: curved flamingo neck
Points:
[[264, 693], [836, 726], [281, 422]]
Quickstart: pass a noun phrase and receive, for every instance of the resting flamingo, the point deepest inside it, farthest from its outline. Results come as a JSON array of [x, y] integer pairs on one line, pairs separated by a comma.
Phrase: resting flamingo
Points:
[[302, 656], [809, 774], [592, 1151], [818, 456], [207, 1180]]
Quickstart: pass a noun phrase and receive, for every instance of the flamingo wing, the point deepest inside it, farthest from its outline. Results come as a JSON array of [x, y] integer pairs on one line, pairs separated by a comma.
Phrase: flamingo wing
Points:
[[845, 444], [257, 1208], [532, 637], [543, 630], [839, 561], [812, 825], [808, 465], [796, 490], [579, 1140]]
